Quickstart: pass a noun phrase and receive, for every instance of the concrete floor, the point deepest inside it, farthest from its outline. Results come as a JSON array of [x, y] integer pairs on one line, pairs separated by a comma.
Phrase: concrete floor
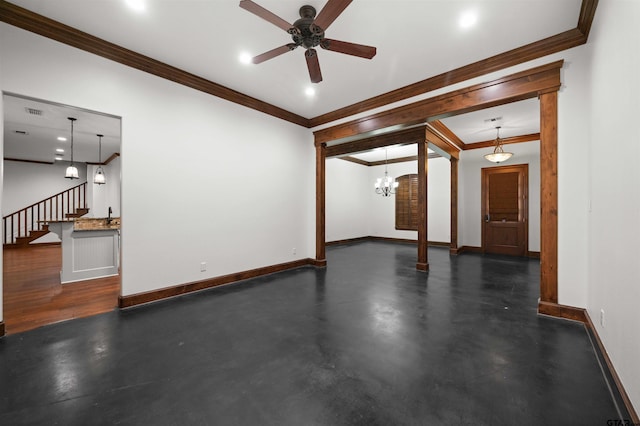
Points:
[[368, 341]]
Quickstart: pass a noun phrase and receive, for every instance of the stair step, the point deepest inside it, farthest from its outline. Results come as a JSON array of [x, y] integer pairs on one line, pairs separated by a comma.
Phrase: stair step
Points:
[[33, 235], [78, 213]]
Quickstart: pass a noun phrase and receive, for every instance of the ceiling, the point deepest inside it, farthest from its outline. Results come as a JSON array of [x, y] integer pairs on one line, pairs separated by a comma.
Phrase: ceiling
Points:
[[34, 137], [415, 40]]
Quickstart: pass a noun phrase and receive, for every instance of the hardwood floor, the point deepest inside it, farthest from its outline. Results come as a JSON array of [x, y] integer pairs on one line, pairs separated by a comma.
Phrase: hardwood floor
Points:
[[33, 295]]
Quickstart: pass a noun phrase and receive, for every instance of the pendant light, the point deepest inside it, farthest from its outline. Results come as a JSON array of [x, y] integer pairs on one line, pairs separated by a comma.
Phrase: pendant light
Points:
[[498, 155], [99, 178], [387, 185], [72, 171]]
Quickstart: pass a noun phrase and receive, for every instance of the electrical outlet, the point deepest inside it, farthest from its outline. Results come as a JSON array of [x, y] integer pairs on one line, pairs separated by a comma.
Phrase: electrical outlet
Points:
[[602, 317], [203, 266], [294, 250]]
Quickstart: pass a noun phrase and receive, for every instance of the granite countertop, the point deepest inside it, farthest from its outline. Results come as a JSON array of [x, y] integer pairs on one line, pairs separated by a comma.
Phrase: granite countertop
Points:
[[95, 223]]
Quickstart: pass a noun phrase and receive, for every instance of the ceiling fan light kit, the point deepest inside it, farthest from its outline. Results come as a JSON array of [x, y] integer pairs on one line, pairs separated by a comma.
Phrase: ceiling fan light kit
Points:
[[308, 32]]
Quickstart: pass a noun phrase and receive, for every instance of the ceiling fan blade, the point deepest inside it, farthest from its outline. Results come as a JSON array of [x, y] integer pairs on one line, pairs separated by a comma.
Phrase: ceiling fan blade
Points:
[[330, 12], [360, 50], [273, 53], [313, 65], [263, 13]]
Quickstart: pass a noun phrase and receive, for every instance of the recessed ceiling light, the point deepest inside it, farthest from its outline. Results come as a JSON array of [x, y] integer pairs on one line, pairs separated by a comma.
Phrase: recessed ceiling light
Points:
[[468, 19], [62, 138], [310, 91], [245, 58], [59, 150], [137, 5], [58, 158]]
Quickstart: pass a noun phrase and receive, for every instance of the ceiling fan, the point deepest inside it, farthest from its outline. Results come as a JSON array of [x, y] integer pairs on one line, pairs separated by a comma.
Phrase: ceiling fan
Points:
[[308, 32]]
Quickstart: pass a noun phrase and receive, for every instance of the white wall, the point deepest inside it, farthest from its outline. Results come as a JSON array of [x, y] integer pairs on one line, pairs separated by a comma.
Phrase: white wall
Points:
[[353, 209], [346, 202], [28, 183], [101, 197], [614, 186], [198, 172], [470, 191]]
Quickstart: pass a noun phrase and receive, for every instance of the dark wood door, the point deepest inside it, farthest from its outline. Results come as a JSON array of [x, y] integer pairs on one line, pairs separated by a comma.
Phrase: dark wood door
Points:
[[505, 210]]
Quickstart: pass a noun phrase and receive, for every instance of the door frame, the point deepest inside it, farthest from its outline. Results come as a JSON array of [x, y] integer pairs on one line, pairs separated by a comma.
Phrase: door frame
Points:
[[523, 202]]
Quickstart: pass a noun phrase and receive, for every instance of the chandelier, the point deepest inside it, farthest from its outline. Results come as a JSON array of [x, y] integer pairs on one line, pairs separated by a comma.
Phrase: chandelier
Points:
[[498, 155], [387, 185]]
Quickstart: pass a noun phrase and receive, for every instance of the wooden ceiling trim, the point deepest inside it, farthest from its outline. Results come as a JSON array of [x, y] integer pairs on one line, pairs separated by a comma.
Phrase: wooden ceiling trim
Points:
[[447, 134], [404, 137], [38, 24], [535, 50], [389, 161], [523, 85], [587, 13], [514, 139], [107, 161], [29, 161], [355, 160]]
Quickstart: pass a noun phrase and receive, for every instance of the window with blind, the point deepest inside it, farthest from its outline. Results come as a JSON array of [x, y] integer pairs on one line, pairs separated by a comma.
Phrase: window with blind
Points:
[[407, 203]]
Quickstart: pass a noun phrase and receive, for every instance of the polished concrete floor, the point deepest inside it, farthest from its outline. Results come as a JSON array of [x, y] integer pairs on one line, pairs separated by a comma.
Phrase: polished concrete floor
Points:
[[368, 341]]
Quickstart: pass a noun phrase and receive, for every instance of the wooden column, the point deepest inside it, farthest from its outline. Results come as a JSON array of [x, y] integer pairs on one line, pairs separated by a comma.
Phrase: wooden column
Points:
[[423, 261], [549, 197], [453, 248], [321, 155]]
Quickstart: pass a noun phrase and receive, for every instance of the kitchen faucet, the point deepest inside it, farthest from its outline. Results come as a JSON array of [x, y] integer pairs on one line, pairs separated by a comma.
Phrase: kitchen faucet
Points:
[[109, 217]]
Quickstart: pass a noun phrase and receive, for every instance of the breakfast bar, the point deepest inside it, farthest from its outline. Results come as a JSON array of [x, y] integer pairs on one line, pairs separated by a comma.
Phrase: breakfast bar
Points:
[[90, 247]]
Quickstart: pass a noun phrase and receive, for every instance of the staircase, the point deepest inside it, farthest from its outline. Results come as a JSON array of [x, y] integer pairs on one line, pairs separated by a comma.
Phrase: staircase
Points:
[[29, 224]]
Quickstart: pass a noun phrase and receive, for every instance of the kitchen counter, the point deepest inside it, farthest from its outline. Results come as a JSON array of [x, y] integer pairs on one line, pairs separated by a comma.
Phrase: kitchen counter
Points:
[[90, 247]]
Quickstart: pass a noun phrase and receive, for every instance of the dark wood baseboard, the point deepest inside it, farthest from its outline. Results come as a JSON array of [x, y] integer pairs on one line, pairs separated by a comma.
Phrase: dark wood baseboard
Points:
[[318, 263], [1, 328], [562, 311], [581, 315], [167, 292], [346, 241], [533, 254], [389, 239], [612, 371], [467, 249]]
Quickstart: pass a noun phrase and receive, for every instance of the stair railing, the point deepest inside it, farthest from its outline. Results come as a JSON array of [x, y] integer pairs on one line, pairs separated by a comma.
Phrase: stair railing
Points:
[[32, 218]]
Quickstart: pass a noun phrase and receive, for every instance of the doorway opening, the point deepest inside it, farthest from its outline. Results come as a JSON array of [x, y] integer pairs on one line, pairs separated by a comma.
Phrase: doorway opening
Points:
[[61, 251]]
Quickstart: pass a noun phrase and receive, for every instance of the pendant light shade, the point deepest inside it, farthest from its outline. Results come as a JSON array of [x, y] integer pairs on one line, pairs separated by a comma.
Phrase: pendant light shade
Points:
[[99, 178], [498, 155], [72, 170]]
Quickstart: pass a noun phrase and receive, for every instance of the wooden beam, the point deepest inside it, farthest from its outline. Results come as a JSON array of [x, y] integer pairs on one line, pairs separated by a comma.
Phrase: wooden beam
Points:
[[321, 258], [515, 87], [505, 141], [423, 168], [447, 134], [549, 197], [28, 161], [407, 136], [435, 138], [38, 24], [538, 49]]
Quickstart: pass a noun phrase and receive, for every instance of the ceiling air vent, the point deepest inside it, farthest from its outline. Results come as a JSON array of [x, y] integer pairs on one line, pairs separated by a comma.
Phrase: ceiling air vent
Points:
[[492, 120], [21, 132], [33, 111]]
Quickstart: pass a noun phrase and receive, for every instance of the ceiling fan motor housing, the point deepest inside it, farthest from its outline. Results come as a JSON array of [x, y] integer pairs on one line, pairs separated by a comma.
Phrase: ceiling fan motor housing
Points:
[[303, 32]]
